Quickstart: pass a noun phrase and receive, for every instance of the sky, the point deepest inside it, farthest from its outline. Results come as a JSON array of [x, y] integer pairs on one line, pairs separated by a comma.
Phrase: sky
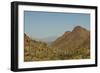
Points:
[[47, 24]]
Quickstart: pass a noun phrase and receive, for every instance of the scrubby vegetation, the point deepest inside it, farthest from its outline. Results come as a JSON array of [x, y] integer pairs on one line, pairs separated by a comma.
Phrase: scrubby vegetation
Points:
[[40, 51]]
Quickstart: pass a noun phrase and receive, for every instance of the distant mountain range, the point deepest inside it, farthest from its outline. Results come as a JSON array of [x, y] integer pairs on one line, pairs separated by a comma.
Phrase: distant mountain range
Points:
[[73, 44], [49, 39]]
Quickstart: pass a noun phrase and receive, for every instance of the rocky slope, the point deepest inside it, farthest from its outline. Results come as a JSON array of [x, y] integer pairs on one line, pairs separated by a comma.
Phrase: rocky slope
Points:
[[79, 37]]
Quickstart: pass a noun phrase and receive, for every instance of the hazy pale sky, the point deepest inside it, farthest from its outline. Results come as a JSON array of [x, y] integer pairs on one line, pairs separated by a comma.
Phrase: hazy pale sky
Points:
[[46, 24]]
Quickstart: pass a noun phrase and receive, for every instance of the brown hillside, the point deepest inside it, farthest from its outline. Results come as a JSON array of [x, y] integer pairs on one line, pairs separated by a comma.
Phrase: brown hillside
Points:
[[78, 38]]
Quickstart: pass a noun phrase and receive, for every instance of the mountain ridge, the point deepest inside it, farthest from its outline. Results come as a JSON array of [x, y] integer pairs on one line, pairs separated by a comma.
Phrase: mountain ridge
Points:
[[77, 36]]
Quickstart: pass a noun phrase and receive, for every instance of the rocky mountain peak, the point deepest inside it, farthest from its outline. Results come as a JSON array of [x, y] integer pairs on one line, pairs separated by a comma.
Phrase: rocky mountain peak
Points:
[[78, 28]]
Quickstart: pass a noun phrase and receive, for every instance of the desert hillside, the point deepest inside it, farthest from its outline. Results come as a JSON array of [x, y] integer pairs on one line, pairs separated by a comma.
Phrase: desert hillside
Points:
[[77, 38], [73, 44]]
